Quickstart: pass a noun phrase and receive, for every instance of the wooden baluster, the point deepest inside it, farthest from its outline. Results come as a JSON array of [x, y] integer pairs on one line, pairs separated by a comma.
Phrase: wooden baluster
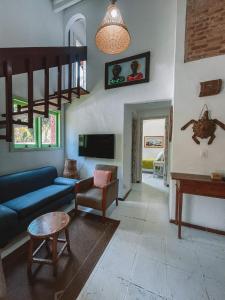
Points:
[[59, 93], [30, 94], [78, 77], [46, 115], [70, 80], [9, 101]]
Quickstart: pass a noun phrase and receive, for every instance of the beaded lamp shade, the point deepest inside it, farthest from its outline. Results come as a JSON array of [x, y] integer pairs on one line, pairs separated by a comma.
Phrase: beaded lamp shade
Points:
[[113, 36]]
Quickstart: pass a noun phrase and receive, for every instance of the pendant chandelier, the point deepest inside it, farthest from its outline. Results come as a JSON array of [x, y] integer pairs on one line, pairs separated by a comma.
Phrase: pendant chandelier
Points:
[[113, 36]]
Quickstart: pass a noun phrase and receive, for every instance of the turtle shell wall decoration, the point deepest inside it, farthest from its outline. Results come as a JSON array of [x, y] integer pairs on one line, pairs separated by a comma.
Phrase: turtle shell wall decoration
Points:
[[205, 127]]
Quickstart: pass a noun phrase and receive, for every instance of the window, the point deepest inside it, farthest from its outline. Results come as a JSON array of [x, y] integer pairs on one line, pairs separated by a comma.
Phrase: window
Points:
[[45, 134], [50, 130]]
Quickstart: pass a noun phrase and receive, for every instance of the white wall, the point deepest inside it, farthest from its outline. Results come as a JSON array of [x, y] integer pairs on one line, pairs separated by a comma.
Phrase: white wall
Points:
[[152, 128], [186, 155], [28, 23], [152, 27], [60, 5], [78, 32]]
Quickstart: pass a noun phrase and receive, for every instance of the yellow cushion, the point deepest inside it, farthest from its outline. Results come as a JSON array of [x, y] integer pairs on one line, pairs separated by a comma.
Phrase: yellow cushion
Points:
[[147, 163]]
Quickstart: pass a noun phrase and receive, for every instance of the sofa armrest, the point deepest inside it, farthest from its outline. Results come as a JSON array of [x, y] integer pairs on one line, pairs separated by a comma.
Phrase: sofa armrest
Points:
[[84, 185], [110, 193], [66, 181]]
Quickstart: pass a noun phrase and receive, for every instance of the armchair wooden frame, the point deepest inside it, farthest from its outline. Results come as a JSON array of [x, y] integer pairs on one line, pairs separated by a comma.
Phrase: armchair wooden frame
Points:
[[109, 193]]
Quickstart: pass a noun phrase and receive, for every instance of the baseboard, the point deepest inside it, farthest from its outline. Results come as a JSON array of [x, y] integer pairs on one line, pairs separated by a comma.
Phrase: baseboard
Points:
[[125, 197], [207, 229]]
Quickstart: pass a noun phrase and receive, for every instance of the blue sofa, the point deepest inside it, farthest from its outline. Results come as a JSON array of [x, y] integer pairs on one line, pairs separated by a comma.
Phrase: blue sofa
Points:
[[26, 195]]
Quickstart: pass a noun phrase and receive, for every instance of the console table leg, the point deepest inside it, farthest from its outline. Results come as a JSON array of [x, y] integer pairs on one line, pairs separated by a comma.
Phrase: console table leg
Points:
[[177, 204], [180, 206]]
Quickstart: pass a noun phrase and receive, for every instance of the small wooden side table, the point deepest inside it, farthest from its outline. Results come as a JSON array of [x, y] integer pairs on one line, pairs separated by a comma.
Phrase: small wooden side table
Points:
[[47, 228]]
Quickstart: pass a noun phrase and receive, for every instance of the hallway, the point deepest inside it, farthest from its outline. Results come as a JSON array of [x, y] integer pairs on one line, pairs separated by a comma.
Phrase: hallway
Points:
[[146, 261]]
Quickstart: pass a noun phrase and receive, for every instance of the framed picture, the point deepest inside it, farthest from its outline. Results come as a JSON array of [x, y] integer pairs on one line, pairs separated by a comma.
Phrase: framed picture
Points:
[[154, 141], [127, 71]]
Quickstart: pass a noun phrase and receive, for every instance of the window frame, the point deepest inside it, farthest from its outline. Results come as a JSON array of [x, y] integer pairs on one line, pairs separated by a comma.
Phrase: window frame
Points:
[[38, 146]]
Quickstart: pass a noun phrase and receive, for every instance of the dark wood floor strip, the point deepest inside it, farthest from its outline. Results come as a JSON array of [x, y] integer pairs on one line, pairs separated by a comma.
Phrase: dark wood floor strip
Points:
[[89, 238], [78, 281]]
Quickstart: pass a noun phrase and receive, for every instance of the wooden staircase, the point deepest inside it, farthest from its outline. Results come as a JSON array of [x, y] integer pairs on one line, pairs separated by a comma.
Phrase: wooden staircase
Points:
[[14, 61]]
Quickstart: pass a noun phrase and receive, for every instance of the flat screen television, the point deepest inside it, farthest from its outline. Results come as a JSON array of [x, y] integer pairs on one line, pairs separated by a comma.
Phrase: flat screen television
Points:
[[97, 145]]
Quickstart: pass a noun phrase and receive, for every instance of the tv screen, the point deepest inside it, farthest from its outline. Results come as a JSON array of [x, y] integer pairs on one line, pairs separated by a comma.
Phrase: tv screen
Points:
[[97, 145]]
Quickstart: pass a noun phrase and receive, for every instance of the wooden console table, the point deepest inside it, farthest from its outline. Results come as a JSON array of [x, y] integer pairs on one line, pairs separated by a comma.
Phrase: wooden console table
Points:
[[200, 185]]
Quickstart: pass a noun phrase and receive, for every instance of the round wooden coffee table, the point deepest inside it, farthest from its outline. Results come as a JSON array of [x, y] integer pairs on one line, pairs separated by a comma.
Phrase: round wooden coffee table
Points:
[[47, 228]]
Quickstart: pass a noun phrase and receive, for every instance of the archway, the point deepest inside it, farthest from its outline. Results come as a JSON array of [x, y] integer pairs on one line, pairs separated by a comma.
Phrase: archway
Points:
[[75, 35]]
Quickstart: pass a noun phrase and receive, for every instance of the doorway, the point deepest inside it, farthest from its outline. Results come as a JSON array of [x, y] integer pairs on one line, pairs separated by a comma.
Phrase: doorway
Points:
[[154, 148], [134, 116]]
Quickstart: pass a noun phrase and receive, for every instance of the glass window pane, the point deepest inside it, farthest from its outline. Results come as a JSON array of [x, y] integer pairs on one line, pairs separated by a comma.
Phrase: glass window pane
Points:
[[49, 130], [22, 134]]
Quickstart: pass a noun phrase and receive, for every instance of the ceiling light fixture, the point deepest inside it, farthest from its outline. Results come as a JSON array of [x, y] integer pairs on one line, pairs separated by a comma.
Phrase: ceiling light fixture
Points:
[[113, 36]]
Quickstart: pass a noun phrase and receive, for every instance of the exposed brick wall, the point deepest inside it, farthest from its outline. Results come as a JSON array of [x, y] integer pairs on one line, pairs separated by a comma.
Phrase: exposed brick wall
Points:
[[205, 29]]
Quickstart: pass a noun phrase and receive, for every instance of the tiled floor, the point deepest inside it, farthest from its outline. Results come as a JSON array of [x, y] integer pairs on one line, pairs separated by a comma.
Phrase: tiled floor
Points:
[[146, 261]]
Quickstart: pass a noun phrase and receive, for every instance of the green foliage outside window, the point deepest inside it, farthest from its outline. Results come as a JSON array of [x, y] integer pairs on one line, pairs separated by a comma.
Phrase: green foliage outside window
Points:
[[45, 134]]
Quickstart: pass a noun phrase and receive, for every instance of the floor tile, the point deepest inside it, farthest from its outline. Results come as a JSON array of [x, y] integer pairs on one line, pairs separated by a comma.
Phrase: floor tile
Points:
[[181, 254], [184, 286], [150, 275], [119, 260], [153, 248], [105, 286], [212, 267], [155, 229], [214, 290], [138, 293]]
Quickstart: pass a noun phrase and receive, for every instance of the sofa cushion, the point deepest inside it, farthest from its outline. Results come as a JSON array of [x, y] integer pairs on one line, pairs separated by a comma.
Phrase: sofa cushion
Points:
[[52, 206], [91, 198], [31, 202], [18, 184], [67, 181]]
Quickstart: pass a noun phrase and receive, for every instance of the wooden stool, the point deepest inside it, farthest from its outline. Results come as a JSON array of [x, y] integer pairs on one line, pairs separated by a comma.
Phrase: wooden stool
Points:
[[47, 228]]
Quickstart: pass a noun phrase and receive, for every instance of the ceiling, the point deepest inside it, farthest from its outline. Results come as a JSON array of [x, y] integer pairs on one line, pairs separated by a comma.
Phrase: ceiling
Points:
[[59, 5]]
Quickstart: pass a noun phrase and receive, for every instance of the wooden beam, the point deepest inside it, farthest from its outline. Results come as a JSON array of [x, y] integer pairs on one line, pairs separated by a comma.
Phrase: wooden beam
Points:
[[78, 77], [59, 92], [46, 100], [30, 95], [70, 74], [18, 57]]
